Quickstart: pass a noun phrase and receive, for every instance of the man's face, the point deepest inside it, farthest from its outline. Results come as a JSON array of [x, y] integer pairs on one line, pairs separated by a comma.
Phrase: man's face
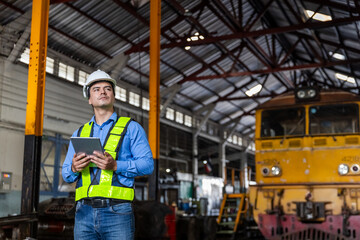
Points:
[[101, 95]]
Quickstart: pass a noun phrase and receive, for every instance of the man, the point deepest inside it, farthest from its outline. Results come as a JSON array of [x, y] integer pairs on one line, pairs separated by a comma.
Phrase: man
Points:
[[104, 188]]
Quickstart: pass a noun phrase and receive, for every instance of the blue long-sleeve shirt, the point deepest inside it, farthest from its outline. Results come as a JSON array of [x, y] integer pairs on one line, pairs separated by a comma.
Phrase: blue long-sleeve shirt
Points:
[[134, 158]]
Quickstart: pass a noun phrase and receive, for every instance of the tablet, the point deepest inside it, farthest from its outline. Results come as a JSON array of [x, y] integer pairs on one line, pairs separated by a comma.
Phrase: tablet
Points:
[[86, 145]]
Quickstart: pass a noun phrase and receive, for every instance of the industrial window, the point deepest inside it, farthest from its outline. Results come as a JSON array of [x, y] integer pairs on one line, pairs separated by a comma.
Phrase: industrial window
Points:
[[70, 73], [25, 56], [82, 77], [235, 138], [62, 70], [145, 104], [66, 71], [283, 122], [120, 93], [216, 131], [53, 154], [334, 119], [240, 141], [204, 127], [179, 117], [188, 121], [49, 65], [211, 129], [252, 146], [170, 113], [134, 99], [196, 122]]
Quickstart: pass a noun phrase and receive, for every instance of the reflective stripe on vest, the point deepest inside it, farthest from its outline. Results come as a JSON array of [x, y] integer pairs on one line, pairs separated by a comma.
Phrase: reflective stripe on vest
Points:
[[112, 146]]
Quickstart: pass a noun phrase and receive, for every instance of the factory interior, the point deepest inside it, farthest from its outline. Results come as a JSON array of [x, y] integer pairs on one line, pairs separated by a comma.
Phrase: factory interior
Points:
[[250, 107]]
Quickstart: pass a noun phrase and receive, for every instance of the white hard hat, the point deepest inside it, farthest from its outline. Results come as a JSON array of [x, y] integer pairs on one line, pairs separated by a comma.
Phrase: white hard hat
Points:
[[96, 77]]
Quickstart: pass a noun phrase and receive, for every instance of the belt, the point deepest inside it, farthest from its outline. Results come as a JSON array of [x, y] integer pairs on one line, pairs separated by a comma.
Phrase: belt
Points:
[[102, 202]]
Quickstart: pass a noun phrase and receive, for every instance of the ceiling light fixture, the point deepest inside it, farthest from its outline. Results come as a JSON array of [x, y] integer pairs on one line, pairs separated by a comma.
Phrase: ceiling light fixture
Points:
[[344, 77], [254, 90], [195, 38], [337, 55], [318, 16]]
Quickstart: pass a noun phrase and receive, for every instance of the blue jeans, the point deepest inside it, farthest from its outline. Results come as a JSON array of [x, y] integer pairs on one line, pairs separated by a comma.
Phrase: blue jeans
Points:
[[113, 222]]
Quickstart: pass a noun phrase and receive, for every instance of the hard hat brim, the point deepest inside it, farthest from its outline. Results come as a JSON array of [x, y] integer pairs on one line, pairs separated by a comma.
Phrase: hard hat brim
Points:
[[97, 76]]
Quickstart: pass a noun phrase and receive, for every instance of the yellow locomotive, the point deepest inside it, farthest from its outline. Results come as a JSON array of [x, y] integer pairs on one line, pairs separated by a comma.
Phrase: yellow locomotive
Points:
[[308, 166]]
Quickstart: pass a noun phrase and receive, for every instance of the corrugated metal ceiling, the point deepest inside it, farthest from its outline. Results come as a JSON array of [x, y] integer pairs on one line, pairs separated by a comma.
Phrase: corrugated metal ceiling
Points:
[[246, 43]]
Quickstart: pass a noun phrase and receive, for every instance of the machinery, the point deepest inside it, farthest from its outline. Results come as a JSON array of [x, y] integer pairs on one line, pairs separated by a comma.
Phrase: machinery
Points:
[[56, 218], [308, 166]]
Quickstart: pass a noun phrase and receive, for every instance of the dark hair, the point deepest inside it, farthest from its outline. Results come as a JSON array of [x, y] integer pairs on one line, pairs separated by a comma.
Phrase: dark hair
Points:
[[112, 85]]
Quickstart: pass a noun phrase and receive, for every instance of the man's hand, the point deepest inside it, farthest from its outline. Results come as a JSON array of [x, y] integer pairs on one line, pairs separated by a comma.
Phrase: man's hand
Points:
[[79, 162], [104, 161]]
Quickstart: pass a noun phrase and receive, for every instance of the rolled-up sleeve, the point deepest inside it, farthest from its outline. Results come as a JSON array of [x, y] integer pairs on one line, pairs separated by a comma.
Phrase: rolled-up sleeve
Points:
[[139, 160]]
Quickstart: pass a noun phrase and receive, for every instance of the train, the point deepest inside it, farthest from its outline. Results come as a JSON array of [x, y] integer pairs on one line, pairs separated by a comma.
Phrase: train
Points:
[[307, 163]]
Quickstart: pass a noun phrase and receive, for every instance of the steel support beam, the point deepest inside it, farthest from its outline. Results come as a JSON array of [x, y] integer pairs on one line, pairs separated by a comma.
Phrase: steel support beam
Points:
[[182, 10], [61, 1], [257, 33], [273, 70], [163, 29], [252, 97], [18, 48], [169, 90], [344, 7], [210, 108], [59, 31], [222, 156], [154, 96], [34, 115], [233, 128], [195, 162], [328, 42], [196, 133], [174, 89]]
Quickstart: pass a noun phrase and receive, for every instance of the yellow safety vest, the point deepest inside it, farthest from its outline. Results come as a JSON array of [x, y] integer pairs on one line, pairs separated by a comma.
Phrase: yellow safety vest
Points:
[[112, 146]]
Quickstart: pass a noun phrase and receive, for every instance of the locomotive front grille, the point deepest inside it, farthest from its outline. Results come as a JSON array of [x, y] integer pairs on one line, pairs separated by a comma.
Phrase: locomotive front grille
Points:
[[266, 145], [310, 234], [294, 143], [320, 142], [352, 140], [318, 234]]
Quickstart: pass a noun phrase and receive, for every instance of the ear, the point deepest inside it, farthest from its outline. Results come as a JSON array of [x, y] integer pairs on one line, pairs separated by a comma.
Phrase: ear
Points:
[[90, 101]]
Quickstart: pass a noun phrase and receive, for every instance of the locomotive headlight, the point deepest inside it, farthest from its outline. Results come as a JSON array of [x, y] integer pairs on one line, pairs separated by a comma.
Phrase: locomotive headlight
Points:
[[311, 93], [343, 169], [275, 170], [306, 94], [301, 94]]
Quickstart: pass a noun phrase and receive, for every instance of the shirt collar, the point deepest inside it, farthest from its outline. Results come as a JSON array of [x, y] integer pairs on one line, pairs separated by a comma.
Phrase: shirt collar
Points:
[[113, 118]]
